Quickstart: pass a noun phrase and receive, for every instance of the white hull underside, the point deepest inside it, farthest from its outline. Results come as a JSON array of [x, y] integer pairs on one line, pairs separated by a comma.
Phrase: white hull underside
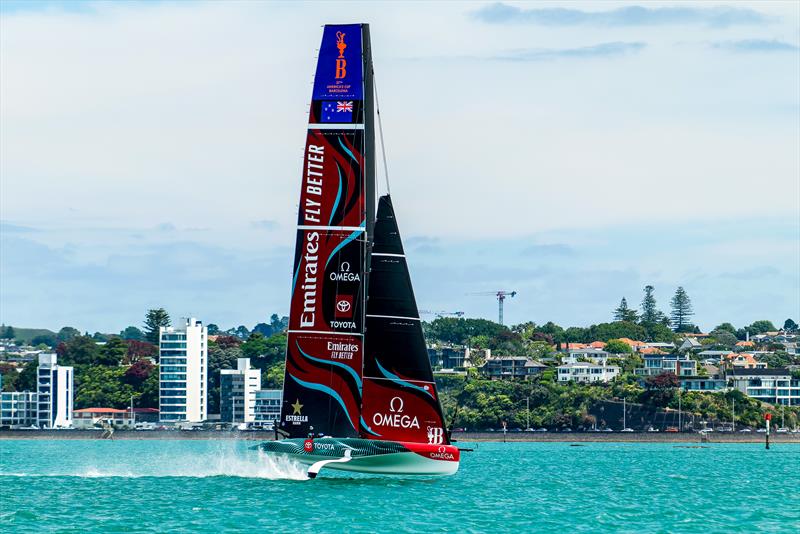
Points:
[[400, 463]]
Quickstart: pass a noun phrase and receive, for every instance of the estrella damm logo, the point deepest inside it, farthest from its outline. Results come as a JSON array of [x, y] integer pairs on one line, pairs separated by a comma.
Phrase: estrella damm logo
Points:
[[341, 62]]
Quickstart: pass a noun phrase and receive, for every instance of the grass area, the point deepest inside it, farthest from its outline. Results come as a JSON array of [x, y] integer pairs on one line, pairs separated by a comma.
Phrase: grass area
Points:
[[27, 334]]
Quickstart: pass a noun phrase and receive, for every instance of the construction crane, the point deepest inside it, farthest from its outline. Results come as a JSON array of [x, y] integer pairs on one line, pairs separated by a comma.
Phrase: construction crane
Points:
[[501, 296], [441, 314]]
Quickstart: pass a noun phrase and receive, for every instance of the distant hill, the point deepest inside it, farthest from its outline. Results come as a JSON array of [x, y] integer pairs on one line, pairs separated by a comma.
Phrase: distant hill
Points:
[[27, 334]]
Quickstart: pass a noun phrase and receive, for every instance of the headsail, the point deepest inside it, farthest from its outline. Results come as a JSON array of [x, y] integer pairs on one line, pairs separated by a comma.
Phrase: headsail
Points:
[[324, 357], [400, 399]]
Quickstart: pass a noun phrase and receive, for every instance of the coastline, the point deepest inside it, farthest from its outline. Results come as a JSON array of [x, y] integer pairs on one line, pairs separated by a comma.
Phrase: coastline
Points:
[[467, 437]]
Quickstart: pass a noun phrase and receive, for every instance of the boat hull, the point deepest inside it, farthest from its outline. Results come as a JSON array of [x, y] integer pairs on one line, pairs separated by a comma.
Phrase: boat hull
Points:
[[368, 456]]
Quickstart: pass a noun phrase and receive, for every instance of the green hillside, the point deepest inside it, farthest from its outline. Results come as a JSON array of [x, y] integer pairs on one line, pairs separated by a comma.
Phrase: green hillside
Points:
[[27, 334]]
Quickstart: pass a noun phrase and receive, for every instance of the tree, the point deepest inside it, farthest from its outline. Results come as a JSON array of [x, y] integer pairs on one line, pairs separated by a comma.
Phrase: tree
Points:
[[681, 311], [262, 328], [112, 353], [46, 339], [137, 373], [99, 385], [67, 333], [219, 357], [131, 332], [458, 330], [660, 389], [255, 346], [624, 313], [10, 376], [278, 323], [139, 350], [762, 326], [213, 329], [615, 346], [226, 342], [80, 350], [789, 326], [8, 332], [727, 327], [606, 331], [242, 332], [650, 313], [26, 380], [153, 320], [724, 338]]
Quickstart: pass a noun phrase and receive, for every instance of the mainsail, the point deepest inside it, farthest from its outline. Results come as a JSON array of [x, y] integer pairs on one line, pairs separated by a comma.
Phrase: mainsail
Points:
[[356, 362], [324, 357], [400, 401]]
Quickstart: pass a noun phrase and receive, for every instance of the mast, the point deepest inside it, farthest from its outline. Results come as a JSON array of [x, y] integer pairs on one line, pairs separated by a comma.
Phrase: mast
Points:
[[324, 353]]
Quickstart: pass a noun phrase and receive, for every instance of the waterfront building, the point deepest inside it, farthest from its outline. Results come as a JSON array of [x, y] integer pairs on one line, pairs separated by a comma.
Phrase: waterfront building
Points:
[[594, 355], [54, 387], [587, 372], [183, 372], [504, 367], [775, 386], [702, 383], [237, 392], [448, 356], [89, 417], [656, 364], [19, 408], [267, 407]]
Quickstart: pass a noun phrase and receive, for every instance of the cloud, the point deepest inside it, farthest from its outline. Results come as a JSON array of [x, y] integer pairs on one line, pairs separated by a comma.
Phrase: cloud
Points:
[[8, 228], [755, 45], [593, 51], [265, 224], [165, 227], [555, 249], [500, 13], [72, 6]]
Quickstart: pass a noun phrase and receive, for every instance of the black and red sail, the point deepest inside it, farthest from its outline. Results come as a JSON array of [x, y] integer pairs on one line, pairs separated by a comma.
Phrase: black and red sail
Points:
[[400, 402], [324, 357]]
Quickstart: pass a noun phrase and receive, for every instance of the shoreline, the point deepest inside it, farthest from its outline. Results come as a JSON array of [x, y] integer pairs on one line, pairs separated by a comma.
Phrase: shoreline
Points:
[[467, 437]]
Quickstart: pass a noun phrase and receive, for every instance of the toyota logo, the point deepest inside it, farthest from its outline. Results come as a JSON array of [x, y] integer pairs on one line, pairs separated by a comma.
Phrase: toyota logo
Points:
[[343, 306]]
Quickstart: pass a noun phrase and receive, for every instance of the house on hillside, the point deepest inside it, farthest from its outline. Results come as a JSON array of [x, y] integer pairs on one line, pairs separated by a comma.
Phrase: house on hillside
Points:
[[596, 356], [775, 386], [505, 367], [690, 343], [587, 372], [658, 363]]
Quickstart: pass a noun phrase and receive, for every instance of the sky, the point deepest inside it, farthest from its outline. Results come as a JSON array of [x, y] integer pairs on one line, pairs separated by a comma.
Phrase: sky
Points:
[[151, 153]]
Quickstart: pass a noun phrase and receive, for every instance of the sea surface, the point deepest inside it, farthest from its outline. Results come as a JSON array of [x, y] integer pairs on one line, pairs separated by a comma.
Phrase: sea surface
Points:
[[224, 486]]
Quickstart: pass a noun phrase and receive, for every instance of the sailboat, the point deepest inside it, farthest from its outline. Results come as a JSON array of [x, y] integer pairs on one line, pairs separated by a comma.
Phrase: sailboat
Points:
[[359, 393]]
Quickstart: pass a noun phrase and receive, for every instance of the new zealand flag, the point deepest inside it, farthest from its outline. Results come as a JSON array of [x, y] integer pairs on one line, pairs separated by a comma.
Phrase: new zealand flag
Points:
[[337, 111]]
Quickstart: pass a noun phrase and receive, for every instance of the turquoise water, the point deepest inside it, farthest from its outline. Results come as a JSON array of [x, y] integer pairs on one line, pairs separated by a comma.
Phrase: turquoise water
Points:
[[222, 486]]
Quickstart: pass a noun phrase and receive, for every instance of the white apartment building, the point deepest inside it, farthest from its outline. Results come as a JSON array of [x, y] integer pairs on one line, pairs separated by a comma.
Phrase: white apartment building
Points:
[[587, 372], [183, 372], [19, 408], [268, 407], [237, 392], [54, 386]]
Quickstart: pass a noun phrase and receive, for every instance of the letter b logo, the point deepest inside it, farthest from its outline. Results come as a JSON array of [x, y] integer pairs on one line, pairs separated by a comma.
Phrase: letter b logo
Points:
[[341, 72], [435, 435]]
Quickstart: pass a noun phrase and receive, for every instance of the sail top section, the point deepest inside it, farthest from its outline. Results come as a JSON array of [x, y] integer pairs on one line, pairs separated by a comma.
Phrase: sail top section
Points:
[[340, 66]]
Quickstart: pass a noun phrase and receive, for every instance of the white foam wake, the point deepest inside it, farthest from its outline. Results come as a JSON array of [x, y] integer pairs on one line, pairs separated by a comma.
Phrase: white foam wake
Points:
[[226, 460]]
